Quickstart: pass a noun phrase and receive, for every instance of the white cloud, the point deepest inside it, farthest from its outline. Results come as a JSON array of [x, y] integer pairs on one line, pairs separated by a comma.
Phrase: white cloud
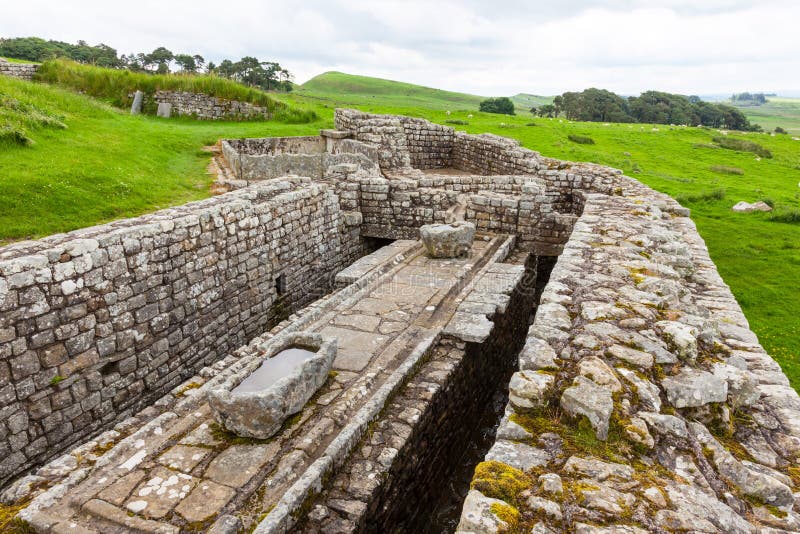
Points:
[[470, 45]]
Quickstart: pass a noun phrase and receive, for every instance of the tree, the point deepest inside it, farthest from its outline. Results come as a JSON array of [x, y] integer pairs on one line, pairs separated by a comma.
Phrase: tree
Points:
[[533, 110], [162, 58], [547, 110], [199, 61], [502, 105], [558, 104], [186, 63]]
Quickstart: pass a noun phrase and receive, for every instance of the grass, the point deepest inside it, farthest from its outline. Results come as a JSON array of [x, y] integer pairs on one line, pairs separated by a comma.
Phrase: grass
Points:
[[783, 112], [116, 87], [345, 89], [726, 169], [108, 165], [580, 139], [742, 145], [14, 60]]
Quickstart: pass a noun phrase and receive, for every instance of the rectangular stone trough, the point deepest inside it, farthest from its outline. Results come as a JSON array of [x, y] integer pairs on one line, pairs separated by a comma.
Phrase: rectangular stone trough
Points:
[[255, 401]]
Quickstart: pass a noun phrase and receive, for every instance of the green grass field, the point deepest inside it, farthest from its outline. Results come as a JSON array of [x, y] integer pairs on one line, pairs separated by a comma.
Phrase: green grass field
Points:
[[108, 164], [13, 60], [783, 112]]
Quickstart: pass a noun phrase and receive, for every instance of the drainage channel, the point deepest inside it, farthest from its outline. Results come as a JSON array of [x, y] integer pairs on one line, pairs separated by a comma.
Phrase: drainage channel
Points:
[[443, 518], [433, 433]]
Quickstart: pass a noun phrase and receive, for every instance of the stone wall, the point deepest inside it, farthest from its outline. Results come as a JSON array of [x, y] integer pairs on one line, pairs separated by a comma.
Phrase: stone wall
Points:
[[208, 107], [97, 323], [490, 154], [24, 71], [264, 159]]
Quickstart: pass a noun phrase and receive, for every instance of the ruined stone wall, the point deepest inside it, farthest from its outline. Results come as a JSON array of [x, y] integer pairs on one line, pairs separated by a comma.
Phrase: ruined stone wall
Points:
[[491, 154], [429, 145], [24, 71], [97, 323], [384, 131], [273, 157], [208, 107]]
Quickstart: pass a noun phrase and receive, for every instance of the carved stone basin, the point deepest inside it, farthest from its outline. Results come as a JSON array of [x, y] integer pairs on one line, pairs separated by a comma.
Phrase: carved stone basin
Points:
[[256, 400]]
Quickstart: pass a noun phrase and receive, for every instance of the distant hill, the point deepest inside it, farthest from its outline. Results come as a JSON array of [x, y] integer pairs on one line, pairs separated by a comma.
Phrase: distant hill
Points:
[[524, 102], [342, 89]]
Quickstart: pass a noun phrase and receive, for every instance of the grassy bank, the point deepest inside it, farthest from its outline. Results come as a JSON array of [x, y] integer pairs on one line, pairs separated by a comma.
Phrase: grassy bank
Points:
[[116, 86], [106, 164]]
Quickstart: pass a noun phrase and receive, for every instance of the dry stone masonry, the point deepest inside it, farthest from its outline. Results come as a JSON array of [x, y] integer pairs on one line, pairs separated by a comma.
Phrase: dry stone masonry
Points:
[[638, 398], [23, 71]]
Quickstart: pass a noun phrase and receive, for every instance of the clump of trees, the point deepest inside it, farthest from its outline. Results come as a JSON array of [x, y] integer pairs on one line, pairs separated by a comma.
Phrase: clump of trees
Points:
[[750, 99], [250, 71], [655, 107], [502, 105]]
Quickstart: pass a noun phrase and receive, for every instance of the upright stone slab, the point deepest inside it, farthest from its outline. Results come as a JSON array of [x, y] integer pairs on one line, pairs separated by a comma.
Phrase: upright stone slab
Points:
[[164, 109], [136, 107]]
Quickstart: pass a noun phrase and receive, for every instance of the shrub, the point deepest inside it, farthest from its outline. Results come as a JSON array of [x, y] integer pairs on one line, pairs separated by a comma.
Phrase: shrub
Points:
[[117, 87], [742, 145], [502, 105], [769, 202], [581, 139], [17, 118], [724, 169], [456, 121], [708, 196], [788, 216], [530, 124], [779, 130]]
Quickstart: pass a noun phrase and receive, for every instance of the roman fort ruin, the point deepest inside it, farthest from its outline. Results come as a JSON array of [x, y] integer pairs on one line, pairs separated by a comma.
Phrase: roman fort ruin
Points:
[[633, 395]]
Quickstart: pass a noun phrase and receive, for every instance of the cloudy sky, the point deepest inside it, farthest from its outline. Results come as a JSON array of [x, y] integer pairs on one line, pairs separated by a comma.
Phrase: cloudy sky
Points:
[[499, 47]]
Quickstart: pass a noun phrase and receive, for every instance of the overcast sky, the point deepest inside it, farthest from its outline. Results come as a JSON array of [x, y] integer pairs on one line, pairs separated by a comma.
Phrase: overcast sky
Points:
[[477, 46]]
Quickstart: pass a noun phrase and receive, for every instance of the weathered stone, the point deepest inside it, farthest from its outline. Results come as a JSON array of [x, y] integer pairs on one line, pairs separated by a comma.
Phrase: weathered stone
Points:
[[586, 398], [477, 516], [164, 110], [205, 501], [448, 240], [260, 414], [136, 105], [530, 389], [517, 455], [693, 388]]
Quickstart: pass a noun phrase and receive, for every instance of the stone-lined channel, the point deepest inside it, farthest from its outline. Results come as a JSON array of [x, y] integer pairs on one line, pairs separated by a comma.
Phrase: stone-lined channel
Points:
[[444, 515]]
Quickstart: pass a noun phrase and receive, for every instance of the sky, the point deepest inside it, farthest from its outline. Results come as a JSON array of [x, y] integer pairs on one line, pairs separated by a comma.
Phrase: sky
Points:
[[491, 48]]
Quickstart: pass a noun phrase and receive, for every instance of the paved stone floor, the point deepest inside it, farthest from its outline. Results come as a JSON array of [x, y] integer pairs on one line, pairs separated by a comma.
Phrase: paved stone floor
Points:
[[182, 470]]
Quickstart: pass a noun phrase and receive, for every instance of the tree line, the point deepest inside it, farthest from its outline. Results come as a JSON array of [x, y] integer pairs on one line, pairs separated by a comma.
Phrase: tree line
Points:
[[655, 107], [267, 75]]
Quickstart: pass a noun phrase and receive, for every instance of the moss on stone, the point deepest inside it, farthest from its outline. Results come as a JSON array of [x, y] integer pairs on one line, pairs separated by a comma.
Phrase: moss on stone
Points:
[[507, 514], [500, 481], [188, 387], [10, 523]]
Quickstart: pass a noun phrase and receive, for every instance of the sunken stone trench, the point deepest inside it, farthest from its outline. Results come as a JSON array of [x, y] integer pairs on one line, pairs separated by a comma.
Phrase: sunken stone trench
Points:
[[570, 361]]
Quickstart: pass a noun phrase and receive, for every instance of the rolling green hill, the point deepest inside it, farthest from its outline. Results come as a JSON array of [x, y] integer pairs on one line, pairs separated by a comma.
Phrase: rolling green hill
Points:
[[783, 112], [349, 89]]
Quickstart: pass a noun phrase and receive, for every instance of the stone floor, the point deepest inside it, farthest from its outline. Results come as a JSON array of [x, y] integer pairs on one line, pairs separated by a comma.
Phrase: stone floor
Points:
[[182, 471]]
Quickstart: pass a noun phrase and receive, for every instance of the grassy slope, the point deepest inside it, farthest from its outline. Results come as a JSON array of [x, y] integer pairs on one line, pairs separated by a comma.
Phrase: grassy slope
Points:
[[106, 164], [14, 60], [783, 112], [345, 89]]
